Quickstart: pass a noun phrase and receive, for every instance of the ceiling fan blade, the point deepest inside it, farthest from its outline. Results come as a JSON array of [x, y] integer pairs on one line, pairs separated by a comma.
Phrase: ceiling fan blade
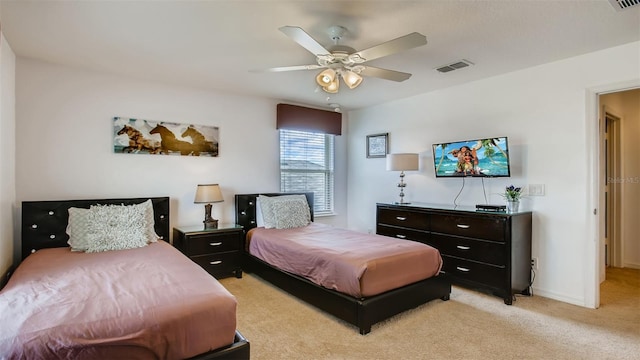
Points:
[[305, 40], [289, 68], [385, 74], [402, 43]]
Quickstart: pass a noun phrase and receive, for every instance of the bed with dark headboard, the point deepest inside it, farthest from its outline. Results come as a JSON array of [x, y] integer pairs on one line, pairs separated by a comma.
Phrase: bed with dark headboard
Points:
[[44, 223], [44, 226], [361, 312]]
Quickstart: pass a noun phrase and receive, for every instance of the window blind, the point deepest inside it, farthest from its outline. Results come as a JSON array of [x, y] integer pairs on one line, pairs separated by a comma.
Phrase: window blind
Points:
[[307, 165]]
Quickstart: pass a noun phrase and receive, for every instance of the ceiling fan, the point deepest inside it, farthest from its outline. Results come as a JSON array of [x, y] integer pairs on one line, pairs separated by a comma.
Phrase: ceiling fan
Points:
[[341, 61]]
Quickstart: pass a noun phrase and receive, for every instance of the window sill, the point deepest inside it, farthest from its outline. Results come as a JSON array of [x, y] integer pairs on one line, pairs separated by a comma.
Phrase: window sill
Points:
[[326, 214]]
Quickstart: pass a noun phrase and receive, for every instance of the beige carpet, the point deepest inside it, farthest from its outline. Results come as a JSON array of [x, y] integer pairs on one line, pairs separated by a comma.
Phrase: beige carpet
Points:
[[471, 325]]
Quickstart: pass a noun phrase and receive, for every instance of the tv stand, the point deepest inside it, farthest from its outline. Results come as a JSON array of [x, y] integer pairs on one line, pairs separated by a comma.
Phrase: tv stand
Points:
[[484, 250]]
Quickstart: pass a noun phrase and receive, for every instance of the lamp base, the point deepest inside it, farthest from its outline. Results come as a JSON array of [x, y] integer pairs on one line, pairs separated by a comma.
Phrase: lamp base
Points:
[[210, 224], [401, 203]]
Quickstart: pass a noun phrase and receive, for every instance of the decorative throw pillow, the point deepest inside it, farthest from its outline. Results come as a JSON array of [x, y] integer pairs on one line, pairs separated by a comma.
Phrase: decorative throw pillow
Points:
[[266, 208], [259, 218], [290, 211], [149, 221], [78, 229], [116, 227]]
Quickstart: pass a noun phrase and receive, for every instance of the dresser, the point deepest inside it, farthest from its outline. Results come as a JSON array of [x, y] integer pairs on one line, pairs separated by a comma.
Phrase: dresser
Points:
[[489, 251], [215, 250]]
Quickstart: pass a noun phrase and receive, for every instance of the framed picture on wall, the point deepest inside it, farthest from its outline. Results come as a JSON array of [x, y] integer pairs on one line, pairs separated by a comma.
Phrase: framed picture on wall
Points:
[[139, 136], [377, 145]]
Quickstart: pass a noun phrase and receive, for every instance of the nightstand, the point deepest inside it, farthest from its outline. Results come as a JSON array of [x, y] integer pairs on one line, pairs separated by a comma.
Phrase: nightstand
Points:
[[216, 250]]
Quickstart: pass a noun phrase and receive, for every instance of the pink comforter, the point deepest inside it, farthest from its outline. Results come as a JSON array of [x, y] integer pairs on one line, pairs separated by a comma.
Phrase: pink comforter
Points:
[[146, 303], [350, 262]]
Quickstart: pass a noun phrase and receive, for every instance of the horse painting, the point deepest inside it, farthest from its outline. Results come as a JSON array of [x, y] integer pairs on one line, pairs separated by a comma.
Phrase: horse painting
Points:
[[138, 142], [169, 141], [200, 143]]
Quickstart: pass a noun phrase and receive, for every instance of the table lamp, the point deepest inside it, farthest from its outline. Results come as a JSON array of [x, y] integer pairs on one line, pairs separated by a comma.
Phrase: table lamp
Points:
[[207, 194], [402, 163]]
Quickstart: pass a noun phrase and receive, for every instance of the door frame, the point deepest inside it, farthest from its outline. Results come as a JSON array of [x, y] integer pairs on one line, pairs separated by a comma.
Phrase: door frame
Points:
[[594, 215], [613, 226]]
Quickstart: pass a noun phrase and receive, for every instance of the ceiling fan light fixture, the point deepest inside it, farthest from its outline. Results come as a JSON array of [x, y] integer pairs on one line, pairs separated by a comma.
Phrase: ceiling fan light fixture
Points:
[[333, 87], [351, 79], [326, 77]]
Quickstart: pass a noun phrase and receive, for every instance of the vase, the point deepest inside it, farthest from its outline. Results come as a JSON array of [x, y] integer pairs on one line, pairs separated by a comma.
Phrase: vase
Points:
[[512, 206]]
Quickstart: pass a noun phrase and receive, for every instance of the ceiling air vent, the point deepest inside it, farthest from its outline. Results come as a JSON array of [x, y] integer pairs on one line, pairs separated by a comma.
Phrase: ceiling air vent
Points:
[[454, 66], [620, 5]]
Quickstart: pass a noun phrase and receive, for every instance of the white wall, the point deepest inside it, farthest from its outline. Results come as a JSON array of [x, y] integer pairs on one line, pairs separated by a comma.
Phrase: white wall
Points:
[[65, 144], [543, 112], [626, 104], [7, 152]]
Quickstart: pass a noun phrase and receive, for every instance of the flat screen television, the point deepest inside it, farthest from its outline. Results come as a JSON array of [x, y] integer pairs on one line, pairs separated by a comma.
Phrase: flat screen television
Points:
[[480, 158]]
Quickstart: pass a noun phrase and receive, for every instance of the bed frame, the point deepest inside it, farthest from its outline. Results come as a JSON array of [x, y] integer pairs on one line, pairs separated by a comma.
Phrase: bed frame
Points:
[[44, 226], [361, 312]]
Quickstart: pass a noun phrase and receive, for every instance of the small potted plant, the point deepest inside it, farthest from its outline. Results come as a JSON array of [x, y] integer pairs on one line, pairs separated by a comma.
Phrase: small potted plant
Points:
[[513, 195]]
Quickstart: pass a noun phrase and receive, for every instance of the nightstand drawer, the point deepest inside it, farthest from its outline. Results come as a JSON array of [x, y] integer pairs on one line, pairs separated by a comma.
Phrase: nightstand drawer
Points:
[[213, 243], [218, 263], [216, 250], [482, 228], [403, 218], [478, 250]]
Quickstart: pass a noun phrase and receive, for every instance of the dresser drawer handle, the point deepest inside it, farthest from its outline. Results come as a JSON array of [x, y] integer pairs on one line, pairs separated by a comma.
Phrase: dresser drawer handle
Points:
[[462, 226], [401, 236], [217, 262], [461, 247], [462, 269], [401, 218], [215, 244]]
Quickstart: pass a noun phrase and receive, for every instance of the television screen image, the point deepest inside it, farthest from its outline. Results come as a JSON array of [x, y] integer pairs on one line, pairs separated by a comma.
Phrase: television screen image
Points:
[[482, 157]]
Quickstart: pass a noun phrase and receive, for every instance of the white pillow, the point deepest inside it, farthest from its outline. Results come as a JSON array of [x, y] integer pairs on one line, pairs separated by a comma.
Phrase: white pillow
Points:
[[78, 229], [266, 205], [79, 225], [285, 212], [116, 227], [259, 218], [149, 220]]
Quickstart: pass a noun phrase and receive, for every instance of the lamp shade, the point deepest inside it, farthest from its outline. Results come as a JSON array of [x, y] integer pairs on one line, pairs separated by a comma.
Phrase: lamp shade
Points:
[[208, 193], [351, 79], [326, 77], [402, 162], [333, 87]]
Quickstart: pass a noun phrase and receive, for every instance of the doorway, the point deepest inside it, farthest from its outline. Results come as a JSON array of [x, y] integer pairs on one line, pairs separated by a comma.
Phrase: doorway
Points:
[[612, 189], [619, 177]]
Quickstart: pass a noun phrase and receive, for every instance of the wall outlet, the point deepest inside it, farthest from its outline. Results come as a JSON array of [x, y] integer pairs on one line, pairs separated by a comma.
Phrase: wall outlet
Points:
[[534, 263]]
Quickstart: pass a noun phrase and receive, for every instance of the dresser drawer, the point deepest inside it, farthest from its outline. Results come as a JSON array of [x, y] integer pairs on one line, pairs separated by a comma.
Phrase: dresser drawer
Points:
[[478, 227], [402, 233], [219, 262], [212, 243], [478, 250], [465, 270], [403, 218]]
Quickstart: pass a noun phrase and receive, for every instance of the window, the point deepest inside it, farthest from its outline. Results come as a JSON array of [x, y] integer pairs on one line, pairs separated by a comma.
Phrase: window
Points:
[[306, 165]]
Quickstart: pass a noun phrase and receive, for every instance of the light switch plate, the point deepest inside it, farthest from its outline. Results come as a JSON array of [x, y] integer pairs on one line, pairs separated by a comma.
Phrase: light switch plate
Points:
[[536, 190]]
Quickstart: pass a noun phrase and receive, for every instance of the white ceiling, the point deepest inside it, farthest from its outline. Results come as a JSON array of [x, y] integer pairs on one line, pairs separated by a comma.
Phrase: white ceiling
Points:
[[214, 44]]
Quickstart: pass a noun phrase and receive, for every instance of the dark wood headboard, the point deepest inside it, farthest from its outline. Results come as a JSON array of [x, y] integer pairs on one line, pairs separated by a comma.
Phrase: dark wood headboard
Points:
[[246, 207], [44, 223]]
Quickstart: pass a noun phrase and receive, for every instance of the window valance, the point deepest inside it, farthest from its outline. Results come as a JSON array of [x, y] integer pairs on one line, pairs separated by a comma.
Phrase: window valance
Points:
[[292, 117]]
